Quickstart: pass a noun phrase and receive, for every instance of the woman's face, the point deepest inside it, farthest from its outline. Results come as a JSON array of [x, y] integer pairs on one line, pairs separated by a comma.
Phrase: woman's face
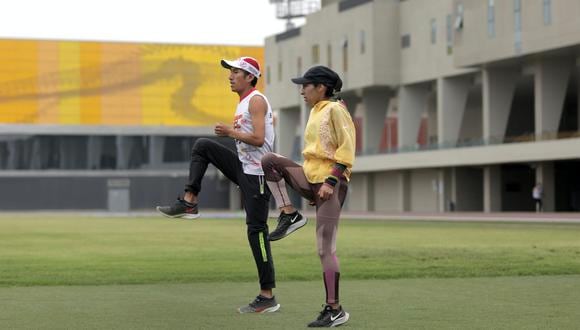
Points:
[[313, 93]]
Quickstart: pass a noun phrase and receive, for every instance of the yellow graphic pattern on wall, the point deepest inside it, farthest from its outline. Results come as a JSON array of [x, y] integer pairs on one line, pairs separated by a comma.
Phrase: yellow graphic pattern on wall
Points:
[[98, 83]]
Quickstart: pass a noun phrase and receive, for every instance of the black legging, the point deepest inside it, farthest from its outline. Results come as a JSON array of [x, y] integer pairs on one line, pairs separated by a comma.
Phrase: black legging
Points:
[[255, 200]]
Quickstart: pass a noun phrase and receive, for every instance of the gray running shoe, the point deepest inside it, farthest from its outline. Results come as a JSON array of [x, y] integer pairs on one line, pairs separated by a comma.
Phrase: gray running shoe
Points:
[[260, 305], [180, 209], [330, 318], [287, 224]]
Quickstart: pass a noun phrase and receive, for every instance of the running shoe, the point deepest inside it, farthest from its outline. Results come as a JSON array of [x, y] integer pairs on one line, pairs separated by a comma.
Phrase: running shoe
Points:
[[287, 224], [180, 209], [260, 305], [330, 318]]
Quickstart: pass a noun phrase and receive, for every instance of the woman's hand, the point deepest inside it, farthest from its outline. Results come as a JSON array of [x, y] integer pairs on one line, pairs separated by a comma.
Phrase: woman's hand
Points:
[[325, 192]]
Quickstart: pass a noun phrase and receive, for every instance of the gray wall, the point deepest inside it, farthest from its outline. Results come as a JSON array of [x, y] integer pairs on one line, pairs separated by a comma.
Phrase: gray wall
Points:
[[91, 193], [387, 191], [424, 194], [469, 187]]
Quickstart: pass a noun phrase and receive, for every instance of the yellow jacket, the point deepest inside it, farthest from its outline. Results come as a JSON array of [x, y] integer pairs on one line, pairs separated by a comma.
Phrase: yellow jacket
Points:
[[329, 138]]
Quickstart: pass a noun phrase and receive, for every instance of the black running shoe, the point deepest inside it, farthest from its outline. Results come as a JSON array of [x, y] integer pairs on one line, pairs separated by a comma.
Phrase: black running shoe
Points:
[[330, 318], [287, 223], [181, 209], [260, 305]]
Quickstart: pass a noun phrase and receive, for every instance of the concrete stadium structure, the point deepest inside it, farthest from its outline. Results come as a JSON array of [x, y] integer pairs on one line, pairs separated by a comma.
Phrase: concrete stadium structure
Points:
[[459, 104]]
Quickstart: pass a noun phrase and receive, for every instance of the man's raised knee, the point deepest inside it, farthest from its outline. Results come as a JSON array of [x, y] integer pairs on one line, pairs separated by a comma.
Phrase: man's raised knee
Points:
[[201, 144]]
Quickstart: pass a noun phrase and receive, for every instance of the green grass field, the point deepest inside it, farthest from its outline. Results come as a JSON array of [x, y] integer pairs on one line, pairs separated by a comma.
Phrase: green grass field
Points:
[[135, 273]]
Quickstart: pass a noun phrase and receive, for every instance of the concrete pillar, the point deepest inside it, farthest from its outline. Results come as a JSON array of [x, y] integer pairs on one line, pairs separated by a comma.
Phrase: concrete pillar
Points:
[[444, 188], [451, 101], [363, 191], [94, 151], [545, 176], [370, 192], [375, 103], [287, 120], [38, 153], [550, 82], [432, 114], [405, 191], [13, 150], [124, 146], [492, 189], [453, 189], [351, 100], [412, 104], [498, 92], [156, 147]]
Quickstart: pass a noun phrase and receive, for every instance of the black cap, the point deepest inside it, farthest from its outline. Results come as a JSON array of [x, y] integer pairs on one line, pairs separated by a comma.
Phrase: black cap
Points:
[[320, 75]]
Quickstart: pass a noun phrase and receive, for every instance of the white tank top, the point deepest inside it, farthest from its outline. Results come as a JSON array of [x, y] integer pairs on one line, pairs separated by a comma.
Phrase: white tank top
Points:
[[250, 155]]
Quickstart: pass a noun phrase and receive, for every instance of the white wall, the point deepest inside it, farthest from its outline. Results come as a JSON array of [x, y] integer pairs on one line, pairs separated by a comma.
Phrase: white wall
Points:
[[424, 193], [473, 45], [358, 193], [424, 60], [388, 191]]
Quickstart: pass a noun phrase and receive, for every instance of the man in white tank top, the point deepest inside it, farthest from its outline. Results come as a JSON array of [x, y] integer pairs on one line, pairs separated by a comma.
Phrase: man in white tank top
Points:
[[253, 133]]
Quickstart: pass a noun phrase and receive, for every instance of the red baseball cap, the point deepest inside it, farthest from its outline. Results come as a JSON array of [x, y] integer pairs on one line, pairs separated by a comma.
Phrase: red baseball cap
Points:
[[248, 64]]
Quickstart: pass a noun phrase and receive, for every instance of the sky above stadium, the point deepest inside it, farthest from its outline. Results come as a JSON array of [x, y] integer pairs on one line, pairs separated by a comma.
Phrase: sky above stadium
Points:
[[222, 22]]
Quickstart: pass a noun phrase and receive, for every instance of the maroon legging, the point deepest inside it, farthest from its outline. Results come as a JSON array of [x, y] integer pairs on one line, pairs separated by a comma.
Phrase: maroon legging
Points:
[[278, 170]]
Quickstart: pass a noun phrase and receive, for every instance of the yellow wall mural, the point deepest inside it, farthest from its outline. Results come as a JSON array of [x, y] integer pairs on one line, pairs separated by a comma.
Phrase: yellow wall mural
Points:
[[91, 83]]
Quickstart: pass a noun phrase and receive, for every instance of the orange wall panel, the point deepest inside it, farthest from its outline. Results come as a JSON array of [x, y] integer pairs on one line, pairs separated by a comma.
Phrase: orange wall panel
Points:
[[69, 83], [106, 83], [18, 85], [90, 83], [121, 84], [48, 80]]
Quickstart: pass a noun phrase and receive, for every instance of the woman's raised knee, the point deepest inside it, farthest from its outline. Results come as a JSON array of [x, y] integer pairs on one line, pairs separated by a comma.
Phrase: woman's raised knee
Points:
[[268, 158]]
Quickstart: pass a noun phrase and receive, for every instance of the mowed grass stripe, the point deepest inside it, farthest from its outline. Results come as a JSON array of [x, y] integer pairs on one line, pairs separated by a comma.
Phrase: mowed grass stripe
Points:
[[541, 302], [39, 250]]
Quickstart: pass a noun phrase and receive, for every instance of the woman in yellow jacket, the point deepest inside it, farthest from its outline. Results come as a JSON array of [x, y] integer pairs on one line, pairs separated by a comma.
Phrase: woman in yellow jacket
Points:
[[329, 152]]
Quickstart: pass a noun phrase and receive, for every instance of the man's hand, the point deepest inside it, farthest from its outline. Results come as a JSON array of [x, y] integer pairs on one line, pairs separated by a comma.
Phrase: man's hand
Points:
[[223, 130], [325, 192]]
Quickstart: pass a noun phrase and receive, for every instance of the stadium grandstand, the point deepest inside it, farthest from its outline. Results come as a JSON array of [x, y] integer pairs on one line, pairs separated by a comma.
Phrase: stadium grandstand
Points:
[[460, 105], [108, 126]]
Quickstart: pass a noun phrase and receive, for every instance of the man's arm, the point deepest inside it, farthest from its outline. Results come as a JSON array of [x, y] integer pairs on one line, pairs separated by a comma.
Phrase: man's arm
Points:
[[257, 108]]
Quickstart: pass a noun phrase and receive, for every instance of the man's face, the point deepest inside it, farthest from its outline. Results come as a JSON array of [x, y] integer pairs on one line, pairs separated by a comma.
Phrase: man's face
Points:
[[239, 79]]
